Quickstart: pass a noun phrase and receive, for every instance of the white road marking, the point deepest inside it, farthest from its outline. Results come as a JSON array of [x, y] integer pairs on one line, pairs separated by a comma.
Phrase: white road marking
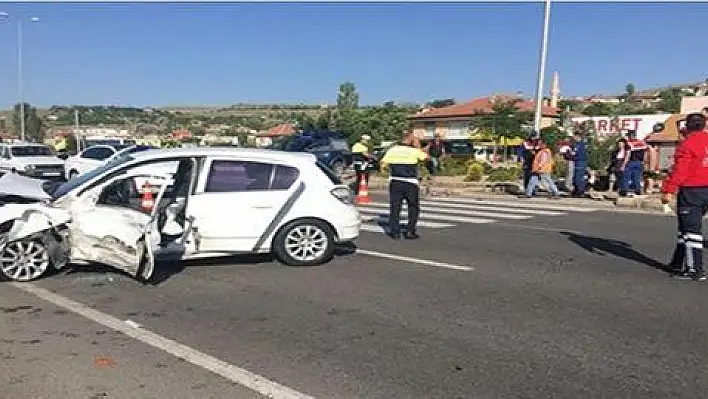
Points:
[[435, 216], [414, 260], [528, 204], [376, 228], [462, 212], [235, 374], [493, 208]]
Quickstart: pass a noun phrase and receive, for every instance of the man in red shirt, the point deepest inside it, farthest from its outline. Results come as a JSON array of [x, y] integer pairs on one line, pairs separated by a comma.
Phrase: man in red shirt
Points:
[[689, 178]]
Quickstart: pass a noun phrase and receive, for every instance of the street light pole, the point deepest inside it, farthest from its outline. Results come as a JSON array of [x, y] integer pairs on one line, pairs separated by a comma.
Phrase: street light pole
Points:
[[20, 67], [542, 67], [20, 83]]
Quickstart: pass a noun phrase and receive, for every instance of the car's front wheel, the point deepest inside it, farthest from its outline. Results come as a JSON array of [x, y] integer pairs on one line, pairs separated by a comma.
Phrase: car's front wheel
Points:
[[24, 260], [305, 242]]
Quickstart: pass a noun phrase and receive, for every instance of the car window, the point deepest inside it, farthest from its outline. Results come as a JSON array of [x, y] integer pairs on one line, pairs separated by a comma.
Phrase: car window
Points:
[[284, 177], [90, 175], [31, 151], [234, 176], [99, 153], [340, 145], [330, 174]]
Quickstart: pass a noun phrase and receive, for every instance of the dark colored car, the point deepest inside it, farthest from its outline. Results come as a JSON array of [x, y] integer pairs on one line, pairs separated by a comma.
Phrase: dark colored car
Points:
[[330, 148]]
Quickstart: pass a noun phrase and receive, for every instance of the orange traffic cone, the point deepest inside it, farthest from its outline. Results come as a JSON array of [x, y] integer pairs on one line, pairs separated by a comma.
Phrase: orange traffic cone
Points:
[[147, 202], [362, 196]]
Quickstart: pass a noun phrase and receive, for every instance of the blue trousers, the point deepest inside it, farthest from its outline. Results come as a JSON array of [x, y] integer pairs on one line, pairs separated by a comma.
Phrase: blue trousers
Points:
[[579, 183], [632, 173]]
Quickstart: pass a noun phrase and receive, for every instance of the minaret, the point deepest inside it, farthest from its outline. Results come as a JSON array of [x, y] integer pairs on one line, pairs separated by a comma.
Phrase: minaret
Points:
[[555, 90]]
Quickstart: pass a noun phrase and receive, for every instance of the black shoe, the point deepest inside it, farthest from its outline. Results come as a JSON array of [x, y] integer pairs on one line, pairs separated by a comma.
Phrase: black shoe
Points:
[[411, 235], [699, 276], [681, 275], [394, 235]]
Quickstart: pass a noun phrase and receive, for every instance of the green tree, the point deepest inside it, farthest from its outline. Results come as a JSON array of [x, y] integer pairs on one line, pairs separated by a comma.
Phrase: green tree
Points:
[[504, 122], [348, 97], [670, 100], [570, 105], [440, 103], [552, 135], [629, 90], [599, 109]]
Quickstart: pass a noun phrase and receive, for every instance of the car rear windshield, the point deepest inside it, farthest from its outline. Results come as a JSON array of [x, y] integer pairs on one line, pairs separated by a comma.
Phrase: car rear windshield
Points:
[[31, 151], [327, 171]]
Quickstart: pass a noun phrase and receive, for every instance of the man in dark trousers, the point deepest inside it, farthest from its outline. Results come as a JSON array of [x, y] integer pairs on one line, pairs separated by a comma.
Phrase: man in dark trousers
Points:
[[579, 156], [689, 178], [529, 148], [402, 162], [633, 166]]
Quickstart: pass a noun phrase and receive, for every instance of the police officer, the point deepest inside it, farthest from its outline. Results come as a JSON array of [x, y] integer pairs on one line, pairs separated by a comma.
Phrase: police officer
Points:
[[361, 156], [633, 166], [689, 177], [402, 161], [579, 156]]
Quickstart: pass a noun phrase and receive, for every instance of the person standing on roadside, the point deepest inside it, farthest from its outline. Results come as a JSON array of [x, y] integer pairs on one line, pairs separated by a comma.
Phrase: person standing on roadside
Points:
[[361, 158], [542, 169], [617, 162], [402, 162], [689, 178], [436, 151], [528, 152], [579, 153], [633, 166], [651, 168]]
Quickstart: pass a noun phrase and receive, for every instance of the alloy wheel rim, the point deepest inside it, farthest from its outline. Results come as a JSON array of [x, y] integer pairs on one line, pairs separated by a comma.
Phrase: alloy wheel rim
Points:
[[306, 243], [24, 260]]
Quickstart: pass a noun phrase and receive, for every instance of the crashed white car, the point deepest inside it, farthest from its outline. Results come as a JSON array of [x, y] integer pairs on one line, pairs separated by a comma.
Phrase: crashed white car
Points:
[[215, 202]]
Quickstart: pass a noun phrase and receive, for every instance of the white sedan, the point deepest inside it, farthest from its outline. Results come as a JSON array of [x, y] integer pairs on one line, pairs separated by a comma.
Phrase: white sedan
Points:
[[215, 202], [95, 156]]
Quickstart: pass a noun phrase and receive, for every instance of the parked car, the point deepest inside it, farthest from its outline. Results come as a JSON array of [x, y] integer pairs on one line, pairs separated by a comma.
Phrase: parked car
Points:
[[330, 148], [94, 156], [31, 159], [215, 202]]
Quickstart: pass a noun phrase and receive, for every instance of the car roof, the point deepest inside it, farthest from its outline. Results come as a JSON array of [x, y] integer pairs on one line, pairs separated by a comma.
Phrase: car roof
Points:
[[250, 153], [25, 144]]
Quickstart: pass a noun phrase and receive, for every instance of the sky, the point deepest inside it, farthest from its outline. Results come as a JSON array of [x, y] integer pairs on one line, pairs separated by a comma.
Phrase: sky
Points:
[[168, 54]]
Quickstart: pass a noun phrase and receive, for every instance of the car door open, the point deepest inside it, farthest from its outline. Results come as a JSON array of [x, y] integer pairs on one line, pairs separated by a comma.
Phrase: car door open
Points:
[[118, 223]]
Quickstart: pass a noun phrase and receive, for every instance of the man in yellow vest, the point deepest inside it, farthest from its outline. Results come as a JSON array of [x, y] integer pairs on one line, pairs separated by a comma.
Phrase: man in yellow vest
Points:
[[541, 170], [402, 162], [361, 157]]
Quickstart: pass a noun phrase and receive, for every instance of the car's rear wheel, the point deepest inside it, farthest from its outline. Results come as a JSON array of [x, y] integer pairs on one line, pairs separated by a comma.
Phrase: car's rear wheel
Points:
[[305, 242], [24, 260]]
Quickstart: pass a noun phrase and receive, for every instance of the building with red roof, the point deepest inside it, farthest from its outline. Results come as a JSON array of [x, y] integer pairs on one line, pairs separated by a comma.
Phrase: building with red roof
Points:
[[452, 122]]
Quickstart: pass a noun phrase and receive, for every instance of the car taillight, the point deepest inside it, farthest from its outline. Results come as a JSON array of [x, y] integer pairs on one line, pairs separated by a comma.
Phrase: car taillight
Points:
[[343, 194]]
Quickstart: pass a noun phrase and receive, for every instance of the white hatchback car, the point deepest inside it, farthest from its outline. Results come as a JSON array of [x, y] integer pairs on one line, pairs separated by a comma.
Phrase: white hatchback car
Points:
[[216, 202], [96, 155]]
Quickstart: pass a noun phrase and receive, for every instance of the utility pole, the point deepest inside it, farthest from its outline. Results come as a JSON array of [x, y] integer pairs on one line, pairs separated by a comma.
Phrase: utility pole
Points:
[[542, 68], [76, 130]]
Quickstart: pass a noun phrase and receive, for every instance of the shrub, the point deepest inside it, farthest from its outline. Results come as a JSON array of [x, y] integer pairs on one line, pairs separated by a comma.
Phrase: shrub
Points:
[[453, 166], [504, 174], [560, 167], [475, 172]]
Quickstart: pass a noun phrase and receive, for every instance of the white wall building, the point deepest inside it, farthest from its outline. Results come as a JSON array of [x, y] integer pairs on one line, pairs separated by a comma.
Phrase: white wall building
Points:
[[607, 126]]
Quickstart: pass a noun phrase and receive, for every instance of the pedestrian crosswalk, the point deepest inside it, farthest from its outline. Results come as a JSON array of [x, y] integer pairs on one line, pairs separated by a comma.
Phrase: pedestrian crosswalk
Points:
[[444, 213]]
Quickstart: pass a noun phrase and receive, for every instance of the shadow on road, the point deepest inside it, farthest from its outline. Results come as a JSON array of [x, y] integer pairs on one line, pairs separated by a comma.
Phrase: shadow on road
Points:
[[602, 246], [166, 269]]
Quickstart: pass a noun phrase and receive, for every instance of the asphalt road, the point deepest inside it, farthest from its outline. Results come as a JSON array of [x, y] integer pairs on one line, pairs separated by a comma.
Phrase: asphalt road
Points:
[[554, 304]]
